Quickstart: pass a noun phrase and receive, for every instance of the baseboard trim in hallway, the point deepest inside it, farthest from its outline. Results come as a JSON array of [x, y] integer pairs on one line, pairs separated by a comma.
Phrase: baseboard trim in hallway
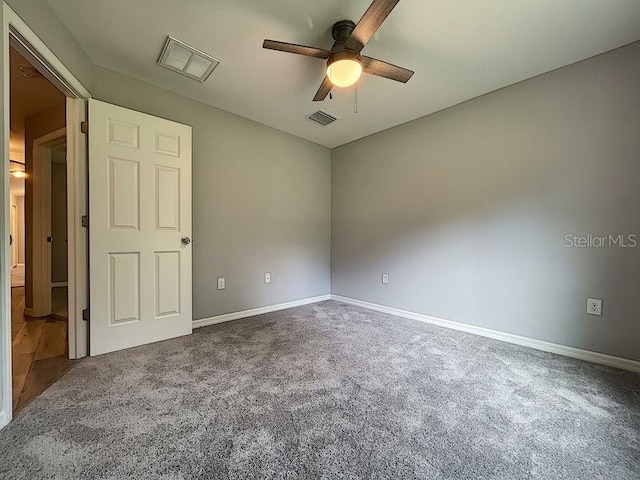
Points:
[[227, 317], [580, 354]]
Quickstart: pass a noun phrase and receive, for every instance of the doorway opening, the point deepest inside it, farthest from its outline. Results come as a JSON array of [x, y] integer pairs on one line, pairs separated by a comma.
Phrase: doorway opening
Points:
[[39, 246], [19, 36]]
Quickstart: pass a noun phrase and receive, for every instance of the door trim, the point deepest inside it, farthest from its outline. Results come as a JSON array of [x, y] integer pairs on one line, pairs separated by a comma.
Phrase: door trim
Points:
[[77, 235], [17, 33], [41, 257], [13, 218]]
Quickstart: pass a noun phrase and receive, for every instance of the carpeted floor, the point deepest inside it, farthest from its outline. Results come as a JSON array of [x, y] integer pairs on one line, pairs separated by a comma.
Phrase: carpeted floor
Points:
[[330, 391]]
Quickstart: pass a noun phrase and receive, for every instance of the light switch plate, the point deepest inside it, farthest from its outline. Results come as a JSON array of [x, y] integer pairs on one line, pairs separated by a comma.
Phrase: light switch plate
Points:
[[385, 278], [222, 283], [267, 278]]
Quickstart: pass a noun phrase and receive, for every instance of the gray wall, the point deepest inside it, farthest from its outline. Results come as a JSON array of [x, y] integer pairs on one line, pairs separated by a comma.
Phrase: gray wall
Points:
[[261, 202], [467, 209]]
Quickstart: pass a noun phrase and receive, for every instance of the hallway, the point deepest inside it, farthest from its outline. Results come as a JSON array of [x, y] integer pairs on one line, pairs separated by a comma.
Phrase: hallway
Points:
[[40, 354]]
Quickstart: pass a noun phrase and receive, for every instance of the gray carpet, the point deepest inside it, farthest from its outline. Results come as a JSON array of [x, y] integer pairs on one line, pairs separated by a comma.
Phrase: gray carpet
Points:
[[330, 391]]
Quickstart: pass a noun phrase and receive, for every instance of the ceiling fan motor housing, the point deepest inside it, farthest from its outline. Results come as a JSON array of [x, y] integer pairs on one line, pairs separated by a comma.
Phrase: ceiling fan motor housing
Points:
[[341, 31]]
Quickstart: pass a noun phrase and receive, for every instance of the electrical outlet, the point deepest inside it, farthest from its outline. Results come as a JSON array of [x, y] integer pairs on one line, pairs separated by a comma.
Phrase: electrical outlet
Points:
[[594, 306], [385, 278], [267, 278], [222, 283]]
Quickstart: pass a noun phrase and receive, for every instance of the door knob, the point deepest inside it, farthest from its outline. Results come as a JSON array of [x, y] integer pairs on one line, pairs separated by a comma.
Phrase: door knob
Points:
[[185, 241]]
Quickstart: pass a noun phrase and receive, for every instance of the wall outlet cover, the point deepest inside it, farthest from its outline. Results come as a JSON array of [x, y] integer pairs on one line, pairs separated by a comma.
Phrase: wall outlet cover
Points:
[[594, 306], [222, 283]]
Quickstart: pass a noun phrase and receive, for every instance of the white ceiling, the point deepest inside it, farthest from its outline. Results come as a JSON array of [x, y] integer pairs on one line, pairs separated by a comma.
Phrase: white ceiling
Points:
[[459, 49]]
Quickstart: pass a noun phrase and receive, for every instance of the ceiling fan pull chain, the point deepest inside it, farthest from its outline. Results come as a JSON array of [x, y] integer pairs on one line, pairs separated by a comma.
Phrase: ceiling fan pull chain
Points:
[[355, 99]]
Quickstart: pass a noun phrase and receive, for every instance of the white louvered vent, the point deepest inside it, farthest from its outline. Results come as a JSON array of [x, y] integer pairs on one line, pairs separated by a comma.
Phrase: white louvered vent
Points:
[[187, 60], [323, 118]]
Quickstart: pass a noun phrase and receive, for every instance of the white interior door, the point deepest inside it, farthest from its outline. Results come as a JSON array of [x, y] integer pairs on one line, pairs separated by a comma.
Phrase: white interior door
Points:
[[139, 228], [14, 235]]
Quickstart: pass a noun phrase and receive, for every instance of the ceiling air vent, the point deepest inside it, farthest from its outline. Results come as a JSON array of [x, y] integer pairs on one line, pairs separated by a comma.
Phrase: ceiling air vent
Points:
[[323, 118], [189, 61]]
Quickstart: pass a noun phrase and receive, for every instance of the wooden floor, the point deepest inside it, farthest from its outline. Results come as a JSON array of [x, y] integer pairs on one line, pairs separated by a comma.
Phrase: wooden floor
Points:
[[39, 348]]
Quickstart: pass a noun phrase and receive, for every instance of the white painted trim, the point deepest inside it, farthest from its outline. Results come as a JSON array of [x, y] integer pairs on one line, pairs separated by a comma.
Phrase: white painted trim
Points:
[[41, 218], [13, 217], [227, 317], [580, 354], [77, 235], [5, 274], [3, 419]]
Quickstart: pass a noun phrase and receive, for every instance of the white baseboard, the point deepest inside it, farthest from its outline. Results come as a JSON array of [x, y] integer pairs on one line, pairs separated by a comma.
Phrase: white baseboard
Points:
[[4, 420], [227, 317], [587, 355]]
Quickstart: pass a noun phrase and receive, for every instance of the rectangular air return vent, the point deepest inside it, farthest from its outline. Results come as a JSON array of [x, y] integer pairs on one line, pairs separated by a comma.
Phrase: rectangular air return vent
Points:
[[189, 61], [323, 118]]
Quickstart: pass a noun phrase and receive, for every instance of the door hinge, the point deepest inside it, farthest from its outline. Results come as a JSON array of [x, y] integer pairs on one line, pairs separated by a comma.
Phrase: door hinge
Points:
[[84, 221], [85, 315], [84, 127]]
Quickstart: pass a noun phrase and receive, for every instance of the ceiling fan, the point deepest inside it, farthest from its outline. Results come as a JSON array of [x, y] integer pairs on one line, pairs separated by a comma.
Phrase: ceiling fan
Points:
[[344, 62]]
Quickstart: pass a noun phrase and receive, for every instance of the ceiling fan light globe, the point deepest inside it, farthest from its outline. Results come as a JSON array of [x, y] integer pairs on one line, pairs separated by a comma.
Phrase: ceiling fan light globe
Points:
[[344, 72]]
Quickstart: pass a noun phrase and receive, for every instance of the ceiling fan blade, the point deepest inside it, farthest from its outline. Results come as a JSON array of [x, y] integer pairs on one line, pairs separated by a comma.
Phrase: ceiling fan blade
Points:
[[324, 90], [369, 23], [386, 70], [294, 48]]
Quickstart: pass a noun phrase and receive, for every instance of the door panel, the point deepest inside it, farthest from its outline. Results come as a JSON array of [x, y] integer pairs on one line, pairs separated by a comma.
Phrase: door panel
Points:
[[140, 208], [167, 198], [124, 193], [167, 292], [124, 288]]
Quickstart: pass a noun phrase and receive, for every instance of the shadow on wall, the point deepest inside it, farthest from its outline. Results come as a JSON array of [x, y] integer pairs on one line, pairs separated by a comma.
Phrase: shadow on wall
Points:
[[469, 209]]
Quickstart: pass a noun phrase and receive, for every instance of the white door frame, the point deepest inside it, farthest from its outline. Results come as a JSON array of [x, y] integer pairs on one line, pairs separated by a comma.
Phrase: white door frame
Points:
[[41, 221], [17, 33], [14, 235]]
